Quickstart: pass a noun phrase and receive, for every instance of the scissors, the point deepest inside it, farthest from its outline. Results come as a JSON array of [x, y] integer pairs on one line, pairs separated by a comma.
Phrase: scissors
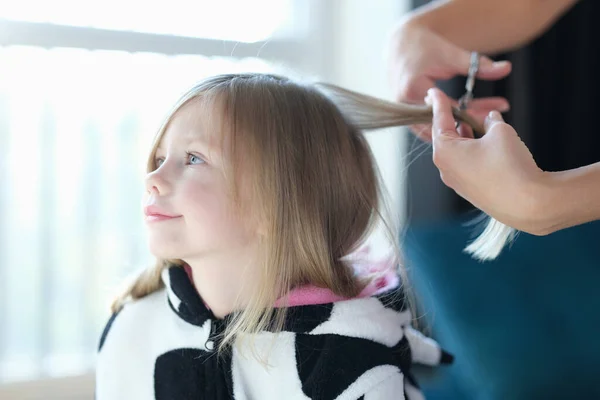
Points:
[[466, 98]]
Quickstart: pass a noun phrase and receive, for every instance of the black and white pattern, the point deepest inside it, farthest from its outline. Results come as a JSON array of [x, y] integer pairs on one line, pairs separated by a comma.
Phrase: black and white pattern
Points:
[[163, 347]]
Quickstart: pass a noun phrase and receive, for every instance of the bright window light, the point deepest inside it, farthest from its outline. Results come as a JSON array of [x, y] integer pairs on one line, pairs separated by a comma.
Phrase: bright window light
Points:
[[236, 20]]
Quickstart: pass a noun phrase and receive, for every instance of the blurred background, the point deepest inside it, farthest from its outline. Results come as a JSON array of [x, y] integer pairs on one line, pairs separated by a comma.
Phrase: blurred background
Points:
[[84, 85]]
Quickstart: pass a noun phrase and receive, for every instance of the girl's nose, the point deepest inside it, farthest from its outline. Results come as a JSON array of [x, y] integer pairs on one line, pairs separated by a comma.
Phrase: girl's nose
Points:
[[156, 183]]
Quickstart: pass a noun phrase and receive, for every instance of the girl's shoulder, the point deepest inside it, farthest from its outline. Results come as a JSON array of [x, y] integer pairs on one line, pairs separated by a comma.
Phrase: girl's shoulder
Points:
[[354, 347], [136, 315]]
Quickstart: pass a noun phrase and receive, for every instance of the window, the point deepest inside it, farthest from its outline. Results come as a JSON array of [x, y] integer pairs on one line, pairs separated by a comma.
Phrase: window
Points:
[[76, 122], [236, 20], [77, 125]]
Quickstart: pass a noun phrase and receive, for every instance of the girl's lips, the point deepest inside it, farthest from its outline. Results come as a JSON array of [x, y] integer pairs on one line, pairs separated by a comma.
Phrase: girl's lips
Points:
[[154, 213], [158, 217]]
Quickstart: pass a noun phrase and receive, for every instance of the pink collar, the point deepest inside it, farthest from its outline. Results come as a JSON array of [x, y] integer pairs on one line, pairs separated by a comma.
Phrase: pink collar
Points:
[[310, 294], [386, 280]]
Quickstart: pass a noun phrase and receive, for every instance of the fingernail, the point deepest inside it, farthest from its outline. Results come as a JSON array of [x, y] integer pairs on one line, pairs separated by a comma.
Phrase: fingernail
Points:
[[504, 108], [493, 116], [428, 99], [500, 64]]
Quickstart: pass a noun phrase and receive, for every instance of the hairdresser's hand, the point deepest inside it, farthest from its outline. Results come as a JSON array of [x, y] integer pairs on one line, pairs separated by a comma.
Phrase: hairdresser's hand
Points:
[[496, 173], [418, 57]]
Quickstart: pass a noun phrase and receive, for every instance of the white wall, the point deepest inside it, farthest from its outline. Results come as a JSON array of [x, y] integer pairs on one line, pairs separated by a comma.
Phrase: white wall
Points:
[[360, 32]]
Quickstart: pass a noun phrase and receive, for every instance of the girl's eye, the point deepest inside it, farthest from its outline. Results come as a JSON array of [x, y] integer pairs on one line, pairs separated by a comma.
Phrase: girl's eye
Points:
[[158, 162], [194, 159]]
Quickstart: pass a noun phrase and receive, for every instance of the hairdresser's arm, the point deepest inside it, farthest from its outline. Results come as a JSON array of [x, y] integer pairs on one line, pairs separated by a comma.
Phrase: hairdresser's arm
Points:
[[434, 43], [490, 26], [571, 197]]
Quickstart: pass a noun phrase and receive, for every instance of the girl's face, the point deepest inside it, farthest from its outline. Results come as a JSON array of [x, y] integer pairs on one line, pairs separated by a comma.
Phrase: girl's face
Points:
[[188, 207]]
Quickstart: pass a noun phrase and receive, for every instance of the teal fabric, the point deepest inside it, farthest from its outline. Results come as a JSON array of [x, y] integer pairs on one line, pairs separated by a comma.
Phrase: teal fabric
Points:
[[525, 326]]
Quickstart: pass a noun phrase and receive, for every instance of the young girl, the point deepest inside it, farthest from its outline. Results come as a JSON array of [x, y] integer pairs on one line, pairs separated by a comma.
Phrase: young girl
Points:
[[258, 190]]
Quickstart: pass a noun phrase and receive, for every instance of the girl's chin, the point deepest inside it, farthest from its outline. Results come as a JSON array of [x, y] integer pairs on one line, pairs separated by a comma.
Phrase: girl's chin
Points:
[[164, 253]]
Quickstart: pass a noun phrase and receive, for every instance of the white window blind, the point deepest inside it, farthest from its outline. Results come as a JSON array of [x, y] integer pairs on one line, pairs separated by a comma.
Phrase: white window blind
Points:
[[236, 20]]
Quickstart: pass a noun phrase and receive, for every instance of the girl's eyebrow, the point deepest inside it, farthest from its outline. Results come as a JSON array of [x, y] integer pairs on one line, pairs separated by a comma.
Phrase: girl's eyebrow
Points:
[[199, 140], [193, 140], [206, 146]]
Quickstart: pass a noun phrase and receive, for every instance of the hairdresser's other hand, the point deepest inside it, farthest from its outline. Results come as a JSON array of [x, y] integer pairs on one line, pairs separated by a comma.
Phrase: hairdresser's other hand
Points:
[[419, 57], [496, 173]]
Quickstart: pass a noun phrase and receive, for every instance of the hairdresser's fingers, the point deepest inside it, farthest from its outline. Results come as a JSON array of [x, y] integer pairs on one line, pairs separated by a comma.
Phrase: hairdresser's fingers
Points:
[[479, 110], [486, 103], [494, 120], [414, 93], [490, 104], [488, 69], [412, 89], [479, 115], [465, 131], [422, 131], [443, 120], [493, 70]]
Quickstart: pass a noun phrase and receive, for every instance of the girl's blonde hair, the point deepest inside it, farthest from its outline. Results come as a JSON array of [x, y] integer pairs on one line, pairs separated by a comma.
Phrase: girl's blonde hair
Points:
[[309, 179]]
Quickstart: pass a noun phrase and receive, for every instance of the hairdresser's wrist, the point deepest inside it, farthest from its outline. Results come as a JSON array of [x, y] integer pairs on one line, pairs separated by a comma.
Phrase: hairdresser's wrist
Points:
[[569, 198]]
